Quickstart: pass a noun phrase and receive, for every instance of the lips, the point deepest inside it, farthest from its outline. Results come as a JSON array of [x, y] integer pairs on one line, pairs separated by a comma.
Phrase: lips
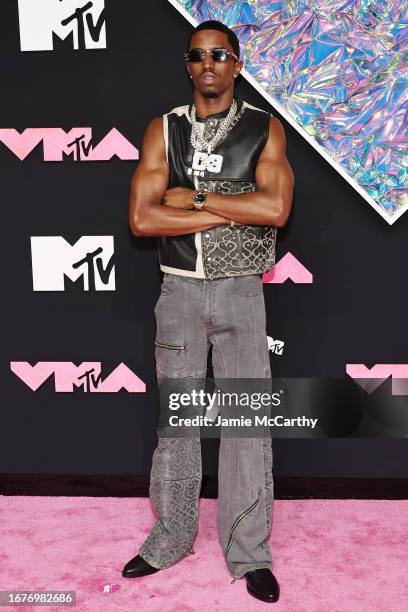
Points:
[[208, 77]]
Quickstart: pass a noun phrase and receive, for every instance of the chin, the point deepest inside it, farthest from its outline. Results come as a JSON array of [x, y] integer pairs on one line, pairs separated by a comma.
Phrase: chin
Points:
[[210, 93]]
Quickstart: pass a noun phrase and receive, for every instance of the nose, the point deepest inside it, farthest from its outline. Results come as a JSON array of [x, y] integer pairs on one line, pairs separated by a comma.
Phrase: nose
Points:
[[208, 62]]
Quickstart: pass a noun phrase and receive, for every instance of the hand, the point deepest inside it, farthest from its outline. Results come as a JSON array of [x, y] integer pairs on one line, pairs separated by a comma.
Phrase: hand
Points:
[[179, 197]]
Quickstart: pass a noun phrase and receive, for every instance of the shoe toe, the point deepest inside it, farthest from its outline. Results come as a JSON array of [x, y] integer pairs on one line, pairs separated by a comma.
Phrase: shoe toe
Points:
[[137, 567], [263, 585]]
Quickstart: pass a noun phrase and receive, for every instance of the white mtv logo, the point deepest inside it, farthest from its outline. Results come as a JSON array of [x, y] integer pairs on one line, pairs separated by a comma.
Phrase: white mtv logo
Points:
[[275, 346], [84, 21], [91, 258]]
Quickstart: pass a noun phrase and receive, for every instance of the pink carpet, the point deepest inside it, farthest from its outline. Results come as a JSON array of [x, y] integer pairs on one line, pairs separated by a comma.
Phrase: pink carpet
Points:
[[329, 556]]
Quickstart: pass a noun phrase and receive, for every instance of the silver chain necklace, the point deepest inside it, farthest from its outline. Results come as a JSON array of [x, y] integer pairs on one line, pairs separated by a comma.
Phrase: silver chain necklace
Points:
[[198, 141]]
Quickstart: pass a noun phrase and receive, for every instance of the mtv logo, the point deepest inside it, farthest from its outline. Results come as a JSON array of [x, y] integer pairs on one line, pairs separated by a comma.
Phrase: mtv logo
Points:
[[90, 258], [83, 22], [275, 346]]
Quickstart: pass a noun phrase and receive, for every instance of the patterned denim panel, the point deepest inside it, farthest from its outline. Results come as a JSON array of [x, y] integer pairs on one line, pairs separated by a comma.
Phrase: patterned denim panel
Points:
[[237, 250], [175, 482]]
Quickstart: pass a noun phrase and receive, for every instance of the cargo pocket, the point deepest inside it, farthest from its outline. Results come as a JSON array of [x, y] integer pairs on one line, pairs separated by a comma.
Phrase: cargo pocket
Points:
[[170, 342], [170, 358]]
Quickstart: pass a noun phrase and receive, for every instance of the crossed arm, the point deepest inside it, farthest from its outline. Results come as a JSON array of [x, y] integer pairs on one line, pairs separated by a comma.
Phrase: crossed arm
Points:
[[155, 210]]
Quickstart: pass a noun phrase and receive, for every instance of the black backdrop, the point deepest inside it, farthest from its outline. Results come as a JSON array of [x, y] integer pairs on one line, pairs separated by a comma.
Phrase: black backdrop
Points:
[[354, 312]]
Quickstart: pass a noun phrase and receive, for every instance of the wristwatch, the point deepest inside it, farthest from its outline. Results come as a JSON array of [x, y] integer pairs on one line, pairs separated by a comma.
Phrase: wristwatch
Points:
[[199, 198]]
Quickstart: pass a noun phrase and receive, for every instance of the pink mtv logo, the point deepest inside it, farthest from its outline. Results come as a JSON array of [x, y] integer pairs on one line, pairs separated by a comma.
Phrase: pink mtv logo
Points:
[[76, 142], [288, 267], [371, 378], [87, 375]]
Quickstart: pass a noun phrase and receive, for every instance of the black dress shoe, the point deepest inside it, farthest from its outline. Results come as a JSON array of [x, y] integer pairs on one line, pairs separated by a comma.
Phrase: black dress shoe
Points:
[[262, 584], [137, 567]]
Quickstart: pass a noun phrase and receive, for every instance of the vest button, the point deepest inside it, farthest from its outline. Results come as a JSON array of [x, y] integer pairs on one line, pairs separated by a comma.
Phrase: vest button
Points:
[[207, 235], [209, 258]]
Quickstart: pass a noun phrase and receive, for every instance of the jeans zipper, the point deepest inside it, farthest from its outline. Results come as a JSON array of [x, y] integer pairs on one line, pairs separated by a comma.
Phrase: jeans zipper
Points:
[[170, 346], [235, 525]]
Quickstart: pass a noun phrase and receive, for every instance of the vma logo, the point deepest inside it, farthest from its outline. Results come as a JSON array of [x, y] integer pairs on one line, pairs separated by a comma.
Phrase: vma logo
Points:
[[46, 24], [370, 379], [87, 376], [77, 143], [288, 268], [89, 259]]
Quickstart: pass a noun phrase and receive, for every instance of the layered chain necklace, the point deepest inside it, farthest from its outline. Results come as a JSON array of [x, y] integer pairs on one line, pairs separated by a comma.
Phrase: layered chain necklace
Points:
[[204, 158], [198, 141]]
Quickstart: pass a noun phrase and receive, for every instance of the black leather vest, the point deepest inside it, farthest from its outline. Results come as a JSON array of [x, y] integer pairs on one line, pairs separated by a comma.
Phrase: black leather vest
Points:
[[224, 250]]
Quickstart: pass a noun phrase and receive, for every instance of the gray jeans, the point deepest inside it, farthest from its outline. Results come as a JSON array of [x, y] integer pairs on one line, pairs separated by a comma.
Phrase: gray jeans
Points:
[[191, 315]]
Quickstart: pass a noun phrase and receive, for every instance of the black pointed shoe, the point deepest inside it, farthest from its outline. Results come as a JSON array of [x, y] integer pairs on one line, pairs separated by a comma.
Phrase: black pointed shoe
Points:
[[137, 567], [262, 584]]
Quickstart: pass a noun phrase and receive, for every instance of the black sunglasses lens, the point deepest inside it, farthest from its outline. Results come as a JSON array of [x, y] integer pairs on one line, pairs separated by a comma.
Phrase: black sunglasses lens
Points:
[[194, 55], [219, 55]]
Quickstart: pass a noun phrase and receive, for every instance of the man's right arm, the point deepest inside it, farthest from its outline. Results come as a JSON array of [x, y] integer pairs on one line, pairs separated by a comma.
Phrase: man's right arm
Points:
[[147, 215]]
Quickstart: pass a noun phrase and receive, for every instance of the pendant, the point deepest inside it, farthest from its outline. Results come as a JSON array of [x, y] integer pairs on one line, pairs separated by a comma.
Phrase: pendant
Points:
[[205, 161]]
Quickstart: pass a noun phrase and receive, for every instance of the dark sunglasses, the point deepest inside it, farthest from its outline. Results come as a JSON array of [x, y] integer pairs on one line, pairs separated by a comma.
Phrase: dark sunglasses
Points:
[[218, 55]]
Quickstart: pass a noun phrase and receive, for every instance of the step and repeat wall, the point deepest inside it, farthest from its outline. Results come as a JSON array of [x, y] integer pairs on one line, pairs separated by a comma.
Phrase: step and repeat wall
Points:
[[80, 82]]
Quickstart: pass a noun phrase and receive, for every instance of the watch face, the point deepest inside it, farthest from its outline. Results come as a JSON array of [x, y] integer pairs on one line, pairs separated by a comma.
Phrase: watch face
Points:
[[199, 198]]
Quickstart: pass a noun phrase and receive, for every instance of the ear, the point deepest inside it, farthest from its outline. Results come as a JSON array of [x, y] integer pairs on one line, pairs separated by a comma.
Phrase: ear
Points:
[[240, 65]]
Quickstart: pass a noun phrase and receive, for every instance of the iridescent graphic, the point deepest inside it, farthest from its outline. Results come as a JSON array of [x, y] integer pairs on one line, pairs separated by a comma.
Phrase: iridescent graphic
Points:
[[338, 72]]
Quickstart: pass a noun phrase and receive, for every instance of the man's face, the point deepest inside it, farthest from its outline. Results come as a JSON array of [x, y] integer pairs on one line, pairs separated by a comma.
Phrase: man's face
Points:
[[209, 77]]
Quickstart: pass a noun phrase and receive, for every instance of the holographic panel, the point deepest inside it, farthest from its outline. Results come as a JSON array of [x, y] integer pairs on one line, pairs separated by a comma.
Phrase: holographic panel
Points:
[[338, 72]]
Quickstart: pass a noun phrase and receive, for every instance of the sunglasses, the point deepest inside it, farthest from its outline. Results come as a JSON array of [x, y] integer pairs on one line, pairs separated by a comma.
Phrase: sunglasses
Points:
[[218, 55]]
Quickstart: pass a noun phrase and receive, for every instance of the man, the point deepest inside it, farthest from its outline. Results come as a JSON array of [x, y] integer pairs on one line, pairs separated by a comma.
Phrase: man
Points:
[[213, 183]]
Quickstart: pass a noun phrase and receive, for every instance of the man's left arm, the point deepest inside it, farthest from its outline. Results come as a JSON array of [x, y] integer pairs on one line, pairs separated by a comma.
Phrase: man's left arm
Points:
[[270, 204]]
